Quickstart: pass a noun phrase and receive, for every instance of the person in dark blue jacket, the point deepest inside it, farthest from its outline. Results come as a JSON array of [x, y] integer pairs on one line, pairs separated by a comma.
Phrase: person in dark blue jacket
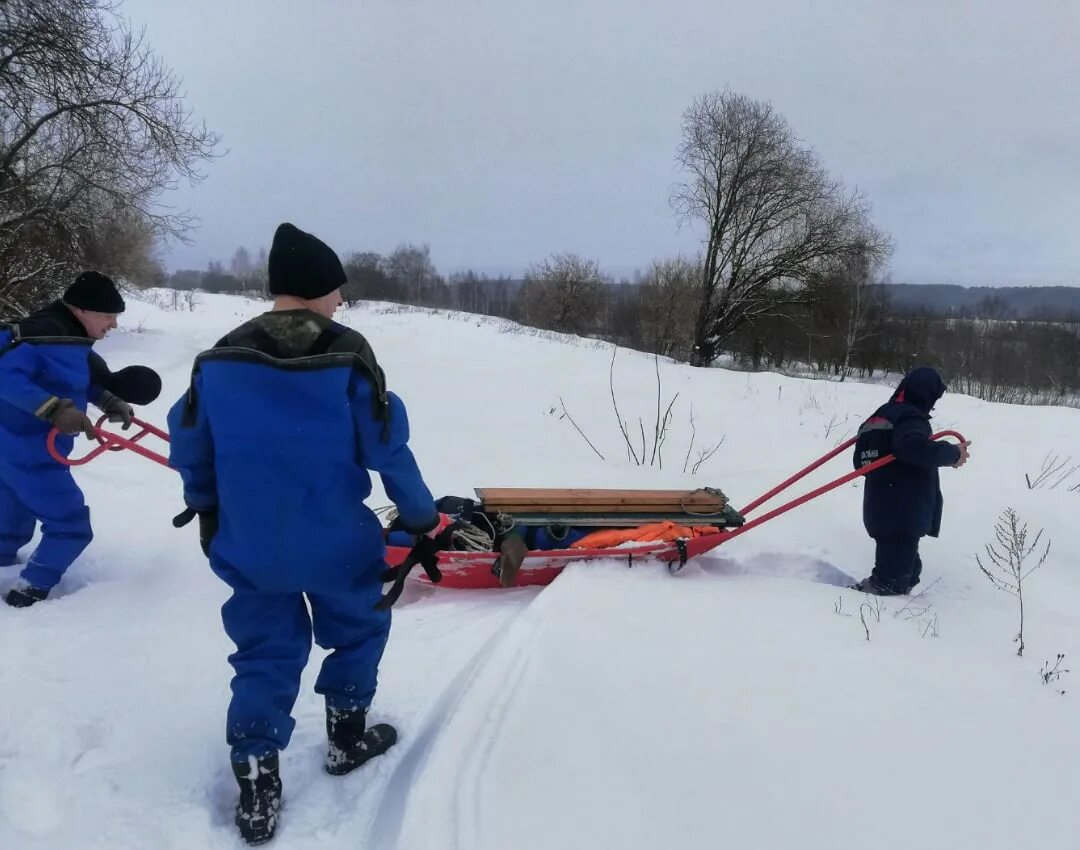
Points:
[[48, 374], [902, 500], [274, 440]]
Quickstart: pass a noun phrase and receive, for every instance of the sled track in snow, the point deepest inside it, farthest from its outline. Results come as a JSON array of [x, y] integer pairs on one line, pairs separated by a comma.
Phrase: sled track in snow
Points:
[[505, 673], [502, 659]]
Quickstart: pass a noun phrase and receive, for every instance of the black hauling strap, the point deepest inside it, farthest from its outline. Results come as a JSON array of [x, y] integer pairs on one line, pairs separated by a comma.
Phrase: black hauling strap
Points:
[[680, 546], [425, 553]]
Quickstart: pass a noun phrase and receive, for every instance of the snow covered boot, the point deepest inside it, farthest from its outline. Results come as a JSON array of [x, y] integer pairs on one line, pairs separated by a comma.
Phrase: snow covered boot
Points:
[[23, 596], [868, 585], [351, 742], [260, 798]]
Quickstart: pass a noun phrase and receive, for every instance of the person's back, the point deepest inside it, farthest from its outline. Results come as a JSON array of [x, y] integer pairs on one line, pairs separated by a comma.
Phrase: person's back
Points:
[[300, 413]]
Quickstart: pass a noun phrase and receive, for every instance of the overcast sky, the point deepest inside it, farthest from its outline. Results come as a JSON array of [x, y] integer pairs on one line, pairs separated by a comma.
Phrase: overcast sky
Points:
[[500, 131]]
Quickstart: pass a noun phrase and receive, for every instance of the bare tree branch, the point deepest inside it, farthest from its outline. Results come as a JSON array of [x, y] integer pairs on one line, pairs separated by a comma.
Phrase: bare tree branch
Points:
[[93, 131]]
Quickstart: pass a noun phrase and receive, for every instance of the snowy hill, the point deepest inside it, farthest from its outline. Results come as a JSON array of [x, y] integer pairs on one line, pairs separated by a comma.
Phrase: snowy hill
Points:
[[731, 705]]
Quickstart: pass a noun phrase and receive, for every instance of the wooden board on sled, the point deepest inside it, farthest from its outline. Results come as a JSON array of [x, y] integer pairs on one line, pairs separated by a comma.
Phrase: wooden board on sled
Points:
[[527, 536]]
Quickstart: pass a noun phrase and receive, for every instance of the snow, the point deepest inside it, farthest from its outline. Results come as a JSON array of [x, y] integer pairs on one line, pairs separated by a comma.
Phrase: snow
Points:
[[727, 705]]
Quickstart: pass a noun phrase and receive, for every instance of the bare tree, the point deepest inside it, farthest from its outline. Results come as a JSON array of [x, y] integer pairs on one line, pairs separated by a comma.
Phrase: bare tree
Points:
[[125, 244], [411, 266], [252, 277], [669, 300], [564, 293], [848, 309], [240, 265], [369, 279], [1007, 570], [92, 128], [772, 214]]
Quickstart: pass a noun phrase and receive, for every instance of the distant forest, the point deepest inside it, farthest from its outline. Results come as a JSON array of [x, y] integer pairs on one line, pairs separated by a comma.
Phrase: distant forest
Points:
[[1015, 344]]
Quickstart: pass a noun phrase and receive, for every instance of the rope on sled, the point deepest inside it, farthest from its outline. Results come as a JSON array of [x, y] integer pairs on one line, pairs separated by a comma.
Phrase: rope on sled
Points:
[[466, 538], [469, 538], [711, 491]]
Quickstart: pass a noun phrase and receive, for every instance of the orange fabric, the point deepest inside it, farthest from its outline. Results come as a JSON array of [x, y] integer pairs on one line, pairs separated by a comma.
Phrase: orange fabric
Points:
[[653, 533]]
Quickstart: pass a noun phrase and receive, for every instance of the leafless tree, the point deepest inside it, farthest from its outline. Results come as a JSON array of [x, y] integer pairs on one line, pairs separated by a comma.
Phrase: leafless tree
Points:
[[240, 265], [771, 213], [848, 309], [669, 296], [125, 244], [564, 293], [251, 276], [411, 267], [92, 128], [1007, 570], [705, 453], [1053, 474]]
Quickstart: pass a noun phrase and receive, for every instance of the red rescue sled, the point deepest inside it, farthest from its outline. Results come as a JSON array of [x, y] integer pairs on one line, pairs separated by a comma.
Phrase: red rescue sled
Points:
[[475, 570]]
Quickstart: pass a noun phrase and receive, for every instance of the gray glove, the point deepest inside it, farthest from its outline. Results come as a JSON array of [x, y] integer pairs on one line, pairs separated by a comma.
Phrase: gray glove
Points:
[[63, 415], [116, 409]]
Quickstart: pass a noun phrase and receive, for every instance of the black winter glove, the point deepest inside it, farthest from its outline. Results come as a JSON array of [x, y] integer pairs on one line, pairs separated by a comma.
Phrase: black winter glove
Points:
[[208, 525], [116, 409]]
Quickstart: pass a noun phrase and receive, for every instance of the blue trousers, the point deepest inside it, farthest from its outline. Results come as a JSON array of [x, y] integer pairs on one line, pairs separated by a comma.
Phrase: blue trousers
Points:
[[273, 634], [45, 493], [897, 565]]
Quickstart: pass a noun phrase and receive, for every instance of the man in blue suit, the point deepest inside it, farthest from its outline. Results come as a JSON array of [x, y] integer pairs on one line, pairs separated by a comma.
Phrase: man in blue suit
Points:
[[48, 374], [274, 440], [902, 500]]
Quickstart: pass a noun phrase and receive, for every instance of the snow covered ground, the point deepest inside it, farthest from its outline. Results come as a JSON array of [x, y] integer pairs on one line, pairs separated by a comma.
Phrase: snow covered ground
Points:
[[731, 705]]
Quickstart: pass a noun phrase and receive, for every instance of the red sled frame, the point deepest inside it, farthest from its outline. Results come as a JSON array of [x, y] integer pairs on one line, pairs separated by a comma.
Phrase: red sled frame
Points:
[[474, 570], [110, 442]]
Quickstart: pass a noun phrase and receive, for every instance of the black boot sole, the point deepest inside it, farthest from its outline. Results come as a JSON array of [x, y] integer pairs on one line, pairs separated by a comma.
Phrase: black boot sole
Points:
[[262, 837]]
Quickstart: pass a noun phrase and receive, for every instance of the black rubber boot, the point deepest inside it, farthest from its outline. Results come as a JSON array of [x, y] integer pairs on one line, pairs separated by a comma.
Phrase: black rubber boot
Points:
[[870, 585], [260, 798], [351, 742], [24, 597]]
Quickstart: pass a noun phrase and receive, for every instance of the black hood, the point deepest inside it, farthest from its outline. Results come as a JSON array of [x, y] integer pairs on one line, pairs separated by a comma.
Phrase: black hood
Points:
[[921, 387]]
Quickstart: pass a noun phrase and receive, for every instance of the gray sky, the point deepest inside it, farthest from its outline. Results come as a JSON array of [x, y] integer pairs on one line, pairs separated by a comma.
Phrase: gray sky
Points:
[[501, 131]]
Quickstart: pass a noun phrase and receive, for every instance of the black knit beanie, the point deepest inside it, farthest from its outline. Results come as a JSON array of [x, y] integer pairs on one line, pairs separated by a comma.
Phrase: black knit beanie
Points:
[[302, 265], [95, 292]]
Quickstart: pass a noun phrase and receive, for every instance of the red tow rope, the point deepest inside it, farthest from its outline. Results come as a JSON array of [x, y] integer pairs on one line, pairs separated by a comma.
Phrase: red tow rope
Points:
[[110, 442]]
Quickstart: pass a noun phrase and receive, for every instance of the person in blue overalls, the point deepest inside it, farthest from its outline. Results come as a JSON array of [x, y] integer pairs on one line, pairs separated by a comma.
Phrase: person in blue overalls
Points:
[[274, 440], [48, 375]]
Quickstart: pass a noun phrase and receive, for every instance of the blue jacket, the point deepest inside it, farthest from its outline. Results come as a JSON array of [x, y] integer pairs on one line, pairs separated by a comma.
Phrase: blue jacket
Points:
[[45, 357], [281, 447], [903, 498]]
